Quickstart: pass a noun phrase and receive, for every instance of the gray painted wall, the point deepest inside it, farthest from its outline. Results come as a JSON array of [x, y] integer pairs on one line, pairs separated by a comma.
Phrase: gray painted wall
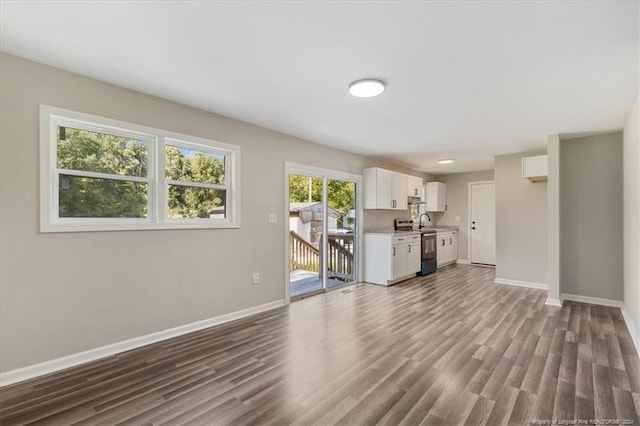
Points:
[[521, 222], [64, 293], [458, 205], [631, 213], [591, 216]]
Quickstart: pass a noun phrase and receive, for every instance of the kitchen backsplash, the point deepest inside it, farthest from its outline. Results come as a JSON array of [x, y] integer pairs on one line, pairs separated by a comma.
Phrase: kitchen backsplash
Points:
[[378, 219]]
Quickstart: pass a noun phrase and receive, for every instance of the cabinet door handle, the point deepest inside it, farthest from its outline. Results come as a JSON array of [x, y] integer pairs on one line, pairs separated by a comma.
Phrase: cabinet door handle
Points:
[[394, 251], [409, 248], [443, 242], [450, 241]]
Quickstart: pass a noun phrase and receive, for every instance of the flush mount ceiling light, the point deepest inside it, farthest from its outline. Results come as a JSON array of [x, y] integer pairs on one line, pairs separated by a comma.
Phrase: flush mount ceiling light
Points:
[[446, 161], [366, 88]]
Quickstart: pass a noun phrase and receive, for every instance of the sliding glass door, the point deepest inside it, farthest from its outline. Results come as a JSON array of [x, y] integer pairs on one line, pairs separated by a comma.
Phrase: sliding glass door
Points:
[[322, 230], [340, 246], [306, 226]]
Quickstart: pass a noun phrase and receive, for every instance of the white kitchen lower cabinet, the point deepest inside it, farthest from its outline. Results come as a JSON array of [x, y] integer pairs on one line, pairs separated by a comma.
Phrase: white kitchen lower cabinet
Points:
[[447, 247], [390, 258], [400, 261], [414, 257]]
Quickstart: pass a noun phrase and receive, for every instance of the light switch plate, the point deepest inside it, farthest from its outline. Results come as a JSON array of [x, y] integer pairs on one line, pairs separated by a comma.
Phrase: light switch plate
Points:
[[273, 218], [457, 218]]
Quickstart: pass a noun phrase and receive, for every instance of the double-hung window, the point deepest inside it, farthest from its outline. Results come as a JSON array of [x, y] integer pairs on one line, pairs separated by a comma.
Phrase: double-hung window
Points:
[[98, 174]]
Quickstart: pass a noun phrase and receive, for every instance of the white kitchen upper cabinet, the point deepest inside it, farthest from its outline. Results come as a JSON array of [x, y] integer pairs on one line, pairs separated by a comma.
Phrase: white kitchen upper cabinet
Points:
[[400, 191], [414, 186], [378, 188], [535, 168], [435, 197], [384, 189]]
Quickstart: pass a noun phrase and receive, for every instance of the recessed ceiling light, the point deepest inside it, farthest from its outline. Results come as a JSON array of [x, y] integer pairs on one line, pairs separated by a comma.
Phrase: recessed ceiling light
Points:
[[446, 161], [366, 88]]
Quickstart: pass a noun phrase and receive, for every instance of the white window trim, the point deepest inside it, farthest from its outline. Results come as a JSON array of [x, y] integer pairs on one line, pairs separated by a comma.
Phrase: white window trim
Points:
[[156, 218]]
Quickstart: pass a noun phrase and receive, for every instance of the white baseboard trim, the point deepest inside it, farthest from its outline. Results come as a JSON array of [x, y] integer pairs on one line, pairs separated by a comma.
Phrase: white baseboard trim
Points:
[[517, 283], [632, 328], [31, 371], [553, 302], [592, 300], [463, 262]]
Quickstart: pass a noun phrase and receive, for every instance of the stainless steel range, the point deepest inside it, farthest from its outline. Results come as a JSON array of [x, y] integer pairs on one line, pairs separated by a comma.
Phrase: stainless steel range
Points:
[[429, 252], [403, 224], [428, 246]]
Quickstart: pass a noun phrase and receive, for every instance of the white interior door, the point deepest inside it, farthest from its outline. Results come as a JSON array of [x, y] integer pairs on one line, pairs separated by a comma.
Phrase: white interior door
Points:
[[482, 224]]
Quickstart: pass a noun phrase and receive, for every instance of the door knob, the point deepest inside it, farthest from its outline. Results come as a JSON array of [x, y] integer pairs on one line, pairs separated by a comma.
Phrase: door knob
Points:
[[474, 222], [473, 227]]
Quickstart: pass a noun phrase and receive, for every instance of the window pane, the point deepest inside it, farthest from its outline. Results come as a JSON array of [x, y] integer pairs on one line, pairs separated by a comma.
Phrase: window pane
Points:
[[191, 202], [414, 211], [100, 152], [188, 165], [89, 197]]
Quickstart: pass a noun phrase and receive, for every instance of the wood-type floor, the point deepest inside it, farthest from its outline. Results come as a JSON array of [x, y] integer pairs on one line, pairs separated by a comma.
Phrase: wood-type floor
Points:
[[448, 348], [310, 285]]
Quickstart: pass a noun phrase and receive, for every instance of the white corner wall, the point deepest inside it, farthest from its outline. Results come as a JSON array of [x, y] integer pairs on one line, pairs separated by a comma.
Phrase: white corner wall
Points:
[[553, 221], [591, 213], [631, 220], [521, 224]]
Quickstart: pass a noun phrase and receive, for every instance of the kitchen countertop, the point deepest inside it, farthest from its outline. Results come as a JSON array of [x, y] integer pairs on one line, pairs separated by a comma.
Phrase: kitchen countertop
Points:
[[391, 231], [441, 228]]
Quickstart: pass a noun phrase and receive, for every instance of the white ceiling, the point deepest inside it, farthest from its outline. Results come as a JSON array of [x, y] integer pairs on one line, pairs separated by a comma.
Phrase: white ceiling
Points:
[[466, 80]]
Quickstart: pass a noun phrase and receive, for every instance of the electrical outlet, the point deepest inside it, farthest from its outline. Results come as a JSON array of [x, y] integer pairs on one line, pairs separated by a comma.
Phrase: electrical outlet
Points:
[[273, 218], [256, 278]]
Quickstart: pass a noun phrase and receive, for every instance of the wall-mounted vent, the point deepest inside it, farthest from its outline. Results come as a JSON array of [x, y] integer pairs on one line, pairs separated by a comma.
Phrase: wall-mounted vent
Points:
[[535, 168]]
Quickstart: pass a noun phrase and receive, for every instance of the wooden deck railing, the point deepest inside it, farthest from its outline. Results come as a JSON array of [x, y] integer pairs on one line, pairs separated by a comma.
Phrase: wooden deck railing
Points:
[[340, 256], [304, 255]]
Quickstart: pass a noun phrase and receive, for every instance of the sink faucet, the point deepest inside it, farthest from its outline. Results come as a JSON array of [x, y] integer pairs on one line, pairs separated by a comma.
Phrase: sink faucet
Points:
[[420, 220]]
